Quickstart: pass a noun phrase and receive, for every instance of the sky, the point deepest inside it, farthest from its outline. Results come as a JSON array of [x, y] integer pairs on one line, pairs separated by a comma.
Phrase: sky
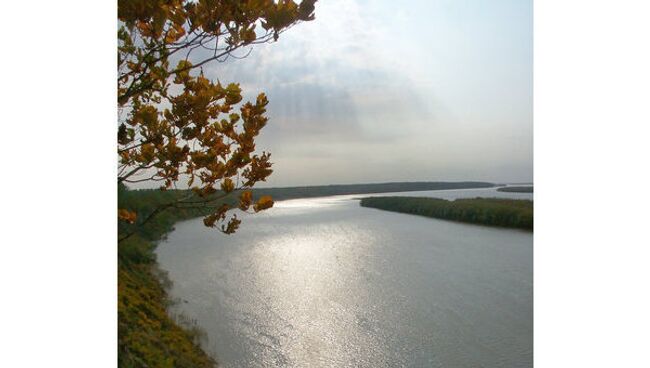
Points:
[[377, 91]]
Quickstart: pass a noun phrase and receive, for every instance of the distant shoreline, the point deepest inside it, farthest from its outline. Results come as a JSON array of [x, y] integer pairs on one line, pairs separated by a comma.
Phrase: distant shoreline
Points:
[[281, 193]]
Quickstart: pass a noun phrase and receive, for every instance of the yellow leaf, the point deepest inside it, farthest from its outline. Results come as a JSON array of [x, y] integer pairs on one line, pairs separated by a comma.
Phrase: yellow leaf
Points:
[[227, 185], [126, 215], [263, 203]]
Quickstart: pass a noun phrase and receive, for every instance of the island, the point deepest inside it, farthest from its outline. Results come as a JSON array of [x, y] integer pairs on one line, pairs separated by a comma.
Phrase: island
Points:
[[512, 213], [516, 189]]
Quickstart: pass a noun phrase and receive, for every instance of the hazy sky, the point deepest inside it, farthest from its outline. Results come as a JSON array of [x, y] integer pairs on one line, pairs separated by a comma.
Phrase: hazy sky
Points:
[[377, 91]]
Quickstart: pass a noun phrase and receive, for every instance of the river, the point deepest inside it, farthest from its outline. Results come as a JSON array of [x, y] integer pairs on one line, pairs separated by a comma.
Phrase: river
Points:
[[324, 282]]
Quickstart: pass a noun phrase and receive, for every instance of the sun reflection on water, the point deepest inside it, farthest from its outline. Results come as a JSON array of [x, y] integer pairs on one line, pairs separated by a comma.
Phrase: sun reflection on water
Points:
[[324, 282], [309, 277]]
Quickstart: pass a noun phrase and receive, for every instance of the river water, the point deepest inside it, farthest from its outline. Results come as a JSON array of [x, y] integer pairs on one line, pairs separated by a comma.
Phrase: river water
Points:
[[323, 282]]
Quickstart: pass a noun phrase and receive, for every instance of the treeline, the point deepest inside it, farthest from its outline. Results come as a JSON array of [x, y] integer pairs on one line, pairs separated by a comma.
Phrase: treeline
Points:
[[513, 213], [516, 189]]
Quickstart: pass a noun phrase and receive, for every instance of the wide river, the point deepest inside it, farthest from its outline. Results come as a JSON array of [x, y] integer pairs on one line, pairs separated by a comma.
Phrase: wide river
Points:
[[324, 282]]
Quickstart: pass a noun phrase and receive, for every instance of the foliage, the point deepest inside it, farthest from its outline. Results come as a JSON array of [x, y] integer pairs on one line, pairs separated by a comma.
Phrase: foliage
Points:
[[514, 213], [179, 124], [516, 189]]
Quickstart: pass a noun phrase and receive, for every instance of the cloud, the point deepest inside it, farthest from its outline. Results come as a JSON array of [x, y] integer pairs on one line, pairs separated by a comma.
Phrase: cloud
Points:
[[376, 90]]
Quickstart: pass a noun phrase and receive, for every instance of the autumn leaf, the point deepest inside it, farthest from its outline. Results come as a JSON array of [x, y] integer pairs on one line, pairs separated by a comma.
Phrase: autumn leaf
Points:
[[263, 203], [245, 200], [219, 215], [232, 225], [227, 185], [126, 216]]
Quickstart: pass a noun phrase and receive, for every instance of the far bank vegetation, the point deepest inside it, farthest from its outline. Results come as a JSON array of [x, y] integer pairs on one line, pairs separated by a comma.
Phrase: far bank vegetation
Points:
[[512, 213], [516, 189]]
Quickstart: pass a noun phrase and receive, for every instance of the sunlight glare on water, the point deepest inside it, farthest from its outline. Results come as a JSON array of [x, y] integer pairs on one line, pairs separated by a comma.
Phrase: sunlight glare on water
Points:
[[323, 282]]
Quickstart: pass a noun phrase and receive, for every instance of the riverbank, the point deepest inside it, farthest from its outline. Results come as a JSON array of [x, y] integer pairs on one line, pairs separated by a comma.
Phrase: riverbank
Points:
[[147, 336], [512, 213]]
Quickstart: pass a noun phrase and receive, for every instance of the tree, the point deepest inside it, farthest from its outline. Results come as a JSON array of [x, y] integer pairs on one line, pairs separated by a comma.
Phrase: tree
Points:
[[180, 125]]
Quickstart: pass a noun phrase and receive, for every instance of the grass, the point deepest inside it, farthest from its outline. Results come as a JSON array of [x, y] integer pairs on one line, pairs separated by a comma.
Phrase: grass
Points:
[[147, 335]]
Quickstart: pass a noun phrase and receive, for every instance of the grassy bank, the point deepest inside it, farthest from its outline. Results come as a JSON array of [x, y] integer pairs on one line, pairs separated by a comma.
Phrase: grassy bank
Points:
[[516, 189], [513, 213], [147, 336]]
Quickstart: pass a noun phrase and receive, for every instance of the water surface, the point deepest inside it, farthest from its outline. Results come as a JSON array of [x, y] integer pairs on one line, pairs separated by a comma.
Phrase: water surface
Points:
[[323, 282]]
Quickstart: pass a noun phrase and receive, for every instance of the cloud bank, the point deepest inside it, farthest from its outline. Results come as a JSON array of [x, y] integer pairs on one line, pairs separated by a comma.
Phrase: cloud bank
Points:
[[388, 91]]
